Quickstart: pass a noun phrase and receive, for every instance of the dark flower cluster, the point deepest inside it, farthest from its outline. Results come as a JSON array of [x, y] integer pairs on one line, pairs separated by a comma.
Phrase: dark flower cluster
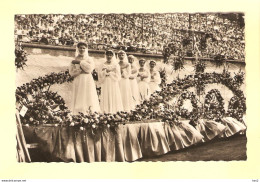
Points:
[[178, 63], [219, 60], [239, 78], [193, 116], [214, 105], [163, 78], [20, 57], [38, 84], [199, 83], [200, 66], [237, 107], [45, 108]]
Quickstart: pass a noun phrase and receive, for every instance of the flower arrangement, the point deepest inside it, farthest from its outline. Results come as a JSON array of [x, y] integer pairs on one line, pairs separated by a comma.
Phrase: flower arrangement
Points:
[[46, 107], [20, 57], [239, 78], [237, 107], [200, 66], [178, 63], [193, 116], [219, 60], [199, 83], [214, 105], [38, 85], [163, 78]]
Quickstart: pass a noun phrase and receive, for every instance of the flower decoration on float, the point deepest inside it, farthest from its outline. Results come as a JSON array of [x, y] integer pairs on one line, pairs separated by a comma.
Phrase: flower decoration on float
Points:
[[237, 107], [177, 62], [199, 83], [239, 78], [20, 57], [163, 78], [219, 60], [200, 66], [46, 107], [214, 105], [194, 115]]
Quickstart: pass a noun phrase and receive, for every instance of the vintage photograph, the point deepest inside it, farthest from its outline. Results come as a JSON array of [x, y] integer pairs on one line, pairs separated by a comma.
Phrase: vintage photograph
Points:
[[130, 87]]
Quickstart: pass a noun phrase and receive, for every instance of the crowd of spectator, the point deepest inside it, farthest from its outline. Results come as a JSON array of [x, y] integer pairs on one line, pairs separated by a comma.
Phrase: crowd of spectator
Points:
[[208, 34]]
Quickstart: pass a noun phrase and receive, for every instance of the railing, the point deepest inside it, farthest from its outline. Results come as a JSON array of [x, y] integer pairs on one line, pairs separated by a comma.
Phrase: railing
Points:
[[138, 54]]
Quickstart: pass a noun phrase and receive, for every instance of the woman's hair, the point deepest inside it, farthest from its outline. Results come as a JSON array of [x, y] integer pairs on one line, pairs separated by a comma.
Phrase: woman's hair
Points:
[[125, 60], [77, 49], [142, 60], [109, 51], [82, 43], [152, 61]]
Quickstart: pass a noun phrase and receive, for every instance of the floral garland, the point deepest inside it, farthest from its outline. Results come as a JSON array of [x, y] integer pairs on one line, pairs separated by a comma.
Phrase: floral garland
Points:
[[163, 78], [214, 105], [193, 116], [178, 63], [199, 83], [237, 107], [149, 109], [200, 66], [169, 116], [239, 78], [37, 85], [45, 108], [219, 60], [20, 57]]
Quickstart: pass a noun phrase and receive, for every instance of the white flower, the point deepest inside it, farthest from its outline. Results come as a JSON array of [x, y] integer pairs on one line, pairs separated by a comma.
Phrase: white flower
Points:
[[108, 125], [93, 126], [72, 124], [86, 120], [81, 128]]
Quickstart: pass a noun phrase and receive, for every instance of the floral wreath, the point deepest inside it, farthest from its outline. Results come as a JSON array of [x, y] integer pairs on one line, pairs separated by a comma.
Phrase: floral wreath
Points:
[[214, 105], [237, 107], [193, 116], [49, 102]]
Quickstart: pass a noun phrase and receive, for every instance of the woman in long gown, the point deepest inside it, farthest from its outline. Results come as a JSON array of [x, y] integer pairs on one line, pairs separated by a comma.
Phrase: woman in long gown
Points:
[[84, 95], [155, 78], [133, 81], [109, 76], [124, 83], [143, 79]]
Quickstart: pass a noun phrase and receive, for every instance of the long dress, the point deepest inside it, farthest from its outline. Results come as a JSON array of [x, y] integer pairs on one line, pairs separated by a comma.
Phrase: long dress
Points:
[[110, 99], [155, 81], [84, 94], [143, 84], [134, 85], [125, 88]]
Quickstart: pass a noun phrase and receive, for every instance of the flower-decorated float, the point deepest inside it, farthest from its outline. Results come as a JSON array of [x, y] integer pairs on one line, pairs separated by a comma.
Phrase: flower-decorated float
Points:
[[154, 127]]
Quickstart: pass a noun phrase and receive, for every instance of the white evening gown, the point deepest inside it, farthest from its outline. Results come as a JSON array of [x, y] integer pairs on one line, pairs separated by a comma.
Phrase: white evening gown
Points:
[[110, 99], [134, 85], [84, 94], [155, 81], [125, 89], [144, 89]]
